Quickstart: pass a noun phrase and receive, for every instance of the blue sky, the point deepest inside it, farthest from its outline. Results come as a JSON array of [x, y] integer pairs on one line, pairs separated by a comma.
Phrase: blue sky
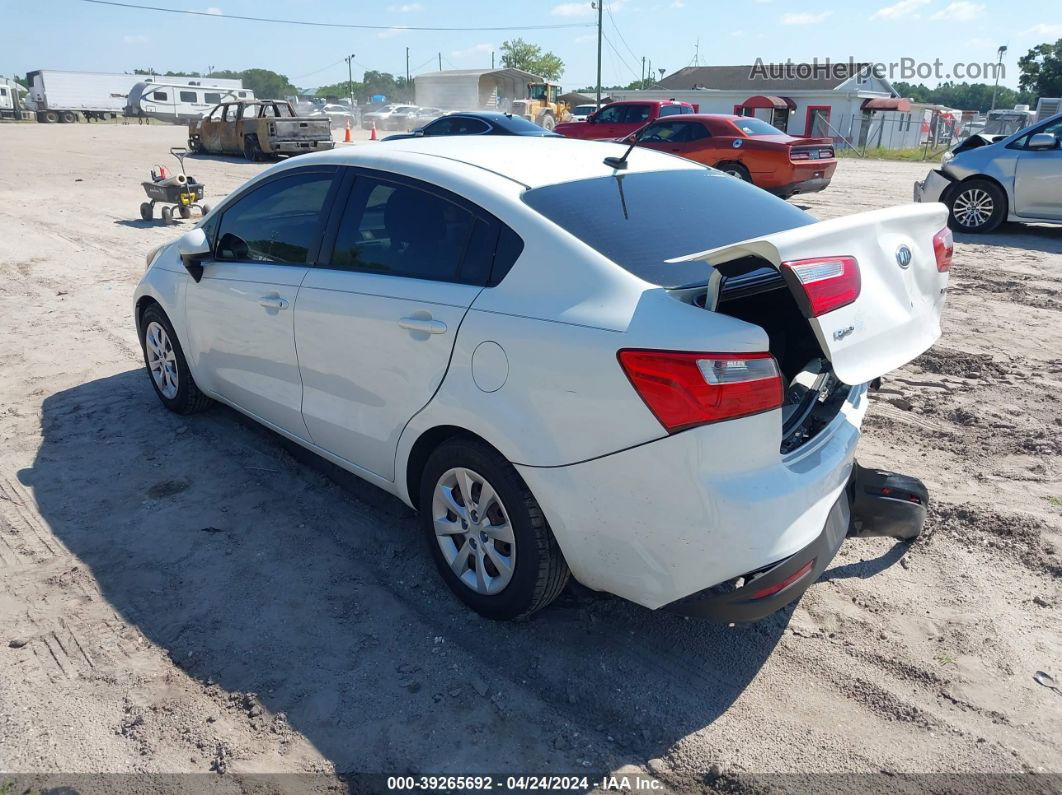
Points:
[[70, 34]]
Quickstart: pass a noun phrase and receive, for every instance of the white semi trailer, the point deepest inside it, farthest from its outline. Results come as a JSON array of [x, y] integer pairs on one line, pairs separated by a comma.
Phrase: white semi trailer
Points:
[[60, 96]]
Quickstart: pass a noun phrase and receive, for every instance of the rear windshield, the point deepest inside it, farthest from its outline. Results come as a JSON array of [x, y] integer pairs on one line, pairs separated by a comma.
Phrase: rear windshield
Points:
[[640, 220], [751, 126], [518, 124]]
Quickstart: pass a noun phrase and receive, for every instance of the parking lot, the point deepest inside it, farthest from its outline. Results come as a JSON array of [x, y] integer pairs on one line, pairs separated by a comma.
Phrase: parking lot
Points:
[[188, 594]]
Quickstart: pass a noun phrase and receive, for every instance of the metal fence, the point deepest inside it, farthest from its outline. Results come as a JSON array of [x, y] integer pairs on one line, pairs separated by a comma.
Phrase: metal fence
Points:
[[931, 131]]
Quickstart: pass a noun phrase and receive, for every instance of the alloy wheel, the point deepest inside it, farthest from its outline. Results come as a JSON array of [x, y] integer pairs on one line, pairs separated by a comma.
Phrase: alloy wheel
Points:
[[473, 531], [162, 361], [973, 208]]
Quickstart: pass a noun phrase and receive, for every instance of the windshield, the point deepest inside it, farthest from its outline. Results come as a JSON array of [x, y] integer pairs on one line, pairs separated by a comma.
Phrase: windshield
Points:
[[640, 220], [751, 126]]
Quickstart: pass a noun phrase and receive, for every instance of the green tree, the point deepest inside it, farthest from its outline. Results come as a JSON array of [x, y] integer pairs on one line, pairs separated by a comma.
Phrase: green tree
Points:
[[963, 96], [340, 90], [1041, 70], [520, 54], [264, 83]]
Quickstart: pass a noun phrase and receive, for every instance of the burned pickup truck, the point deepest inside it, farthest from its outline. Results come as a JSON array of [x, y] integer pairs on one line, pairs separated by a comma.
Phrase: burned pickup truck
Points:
[[258, 129]]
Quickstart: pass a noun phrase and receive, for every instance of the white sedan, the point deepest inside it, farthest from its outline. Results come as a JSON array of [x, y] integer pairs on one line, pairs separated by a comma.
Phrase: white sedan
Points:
[[641, 372]]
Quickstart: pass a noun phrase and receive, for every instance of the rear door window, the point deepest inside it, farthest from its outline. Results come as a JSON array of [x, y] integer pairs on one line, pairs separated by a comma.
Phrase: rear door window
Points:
[[401, 230], [189, 96], [277, 222], [211, 98]]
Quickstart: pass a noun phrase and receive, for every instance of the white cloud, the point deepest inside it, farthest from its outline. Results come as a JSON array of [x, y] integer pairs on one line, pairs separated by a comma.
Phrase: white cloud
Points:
[[215, 11], [960, 11], [900, 10], [390, 33], [475, 49], [137, 39], [738, 34], [805, 17], [406, 8], [1043, 30], [572, 10], [678, 3]]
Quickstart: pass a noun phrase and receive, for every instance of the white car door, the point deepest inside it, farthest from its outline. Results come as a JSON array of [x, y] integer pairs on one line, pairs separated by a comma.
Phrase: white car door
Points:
[[375, 321], [239, 315]]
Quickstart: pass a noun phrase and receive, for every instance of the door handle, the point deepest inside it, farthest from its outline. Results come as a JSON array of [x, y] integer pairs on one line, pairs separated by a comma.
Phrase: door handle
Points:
[[273, 302], [426, 325]]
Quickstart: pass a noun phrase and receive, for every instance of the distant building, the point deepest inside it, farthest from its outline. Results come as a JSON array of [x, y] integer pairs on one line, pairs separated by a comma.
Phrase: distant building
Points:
[[472, 89], [842, 100]]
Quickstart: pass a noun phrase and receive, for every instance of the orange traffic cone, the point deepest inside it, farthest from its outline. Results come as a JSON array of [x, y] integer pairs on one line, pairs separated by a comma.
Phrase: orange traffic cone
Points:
[[346, 135], [373, 137]]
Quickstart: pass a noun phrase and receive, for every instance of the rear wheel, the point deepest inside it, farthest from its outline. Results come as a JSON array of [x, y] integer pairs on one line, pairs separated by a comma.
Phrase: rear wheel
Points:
[[51, 117], [146, 211], [193, 144], [977, 206], [736, 170], [67, 117], [167, 366], [252, 150], [167, 215], [487, 534]]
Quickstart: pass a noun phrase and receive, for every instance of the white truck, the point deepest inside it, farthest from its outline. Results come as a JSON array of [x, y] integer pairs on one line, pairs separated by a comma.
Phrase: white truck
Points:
[[60, 96]]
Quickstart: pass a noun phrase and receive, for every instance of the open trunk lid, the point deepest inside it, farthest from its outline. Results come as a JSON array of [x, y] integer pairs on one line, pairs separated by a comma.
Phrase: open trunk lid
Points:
[[896, 315]]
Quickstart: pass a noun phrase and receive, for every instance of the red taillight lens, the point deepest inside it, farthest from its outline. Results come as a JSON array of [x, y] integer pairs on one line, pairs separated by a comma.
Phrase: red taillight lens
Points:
[[687, 389], [944, 249], [799, 154], [828, 282]]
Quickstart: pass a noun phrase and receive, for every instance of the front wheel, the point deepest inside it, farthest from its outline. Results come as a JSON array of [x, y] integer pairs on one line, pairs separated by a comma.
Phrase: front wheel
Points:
[[548, 122], [167, 366], [486, 531], [977, 206]]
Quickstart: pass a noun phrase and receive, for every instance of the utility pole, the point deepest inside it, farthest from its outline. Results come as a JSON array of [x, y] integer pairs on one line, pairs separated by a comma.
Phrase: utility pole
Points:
[[600, 6], [649, 74], [408, 95], [641, 83], [1002, 50], [350, 79], [440, 61], [492, 59]]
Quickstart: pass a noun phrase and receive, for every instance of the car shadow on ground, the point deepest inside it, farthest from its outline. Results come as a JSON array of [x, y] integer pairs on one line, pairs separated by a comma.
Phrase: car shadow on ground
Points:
[[255, 572], [1021, 237]]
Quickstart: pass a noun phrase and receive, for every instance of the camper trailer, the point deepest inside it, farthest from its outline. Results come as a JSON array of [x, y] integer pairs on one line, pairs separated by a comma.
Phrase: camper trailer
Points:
[[179, 103]]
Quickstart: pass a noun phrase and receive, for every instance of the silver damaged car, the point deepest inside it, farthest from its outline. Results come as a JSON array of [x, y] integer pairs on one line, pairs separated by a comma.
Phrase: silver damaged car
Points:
[[985, 182]]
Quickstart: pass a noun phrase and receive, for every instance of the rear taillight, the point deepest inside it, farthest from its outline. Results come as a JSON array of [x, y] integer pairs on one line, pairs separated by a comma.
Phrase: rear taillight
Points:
[[799, 154], [828, 282], [687, 389], [944, 249], [792, 579]]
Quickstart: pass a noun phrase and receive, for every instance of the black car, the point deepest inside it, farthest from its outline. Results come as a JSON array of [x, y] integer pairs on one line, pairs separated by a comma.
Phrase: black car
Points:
[[477, 124]]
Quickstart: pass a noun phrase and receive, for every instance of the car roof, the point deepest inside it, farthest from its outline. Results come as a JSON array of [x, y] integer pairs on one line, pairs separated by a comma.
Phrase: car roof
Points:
[[531, 161]]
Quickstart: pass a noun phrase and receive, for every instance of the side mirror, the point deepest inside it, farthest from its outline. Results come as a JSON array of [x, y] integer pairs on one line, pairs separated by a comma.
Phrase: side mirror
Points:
[[1043, 141], [193, 247]]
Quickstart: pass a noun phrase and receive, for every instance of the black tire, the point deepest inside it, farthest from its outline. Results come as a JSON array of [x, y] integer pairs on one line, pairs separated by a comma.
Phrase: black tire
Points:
[[167, 215], [67, 117], [548, 122], [736, 170], [204, 208], [252, 150], [540, 572], [968, 205], [188, 399], [194, 145], [146, 211], [51, 117], [186, 212]]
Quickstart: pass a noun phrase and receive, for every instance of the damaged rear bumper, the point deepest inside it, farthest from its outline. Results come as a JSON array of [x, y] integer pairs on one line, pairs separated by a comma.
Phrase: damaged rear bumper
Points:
[[875, 503]]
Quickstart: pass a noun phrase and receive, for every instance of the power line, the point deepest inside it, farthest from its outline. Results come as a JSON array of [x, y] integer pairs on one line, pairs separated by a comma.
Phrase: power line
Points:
[[612, 19], [317, 71], [621, 58], [327, 24]]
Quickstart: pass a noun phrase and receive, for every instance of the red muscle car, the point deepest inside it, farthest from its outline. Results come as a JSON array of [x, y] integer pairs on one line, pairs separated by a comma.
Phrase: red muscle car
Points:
[[745, 147]]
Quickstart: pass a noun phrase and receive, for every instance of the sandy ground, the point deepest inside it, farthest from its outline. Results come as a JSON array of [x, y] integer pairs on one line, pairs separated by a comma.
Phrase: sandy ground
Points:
[[185, 595]]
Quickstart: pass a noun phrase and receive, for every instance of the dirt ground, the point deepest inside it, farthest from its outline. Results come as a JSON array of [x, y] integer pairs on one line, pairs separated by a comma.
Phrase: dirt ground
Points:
[[186, 595]]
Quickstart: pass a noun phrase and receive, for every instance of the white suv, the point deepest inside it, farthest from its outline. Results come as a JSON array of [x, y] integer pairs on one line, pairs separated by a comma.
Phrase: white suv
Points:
[[643, 372]]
